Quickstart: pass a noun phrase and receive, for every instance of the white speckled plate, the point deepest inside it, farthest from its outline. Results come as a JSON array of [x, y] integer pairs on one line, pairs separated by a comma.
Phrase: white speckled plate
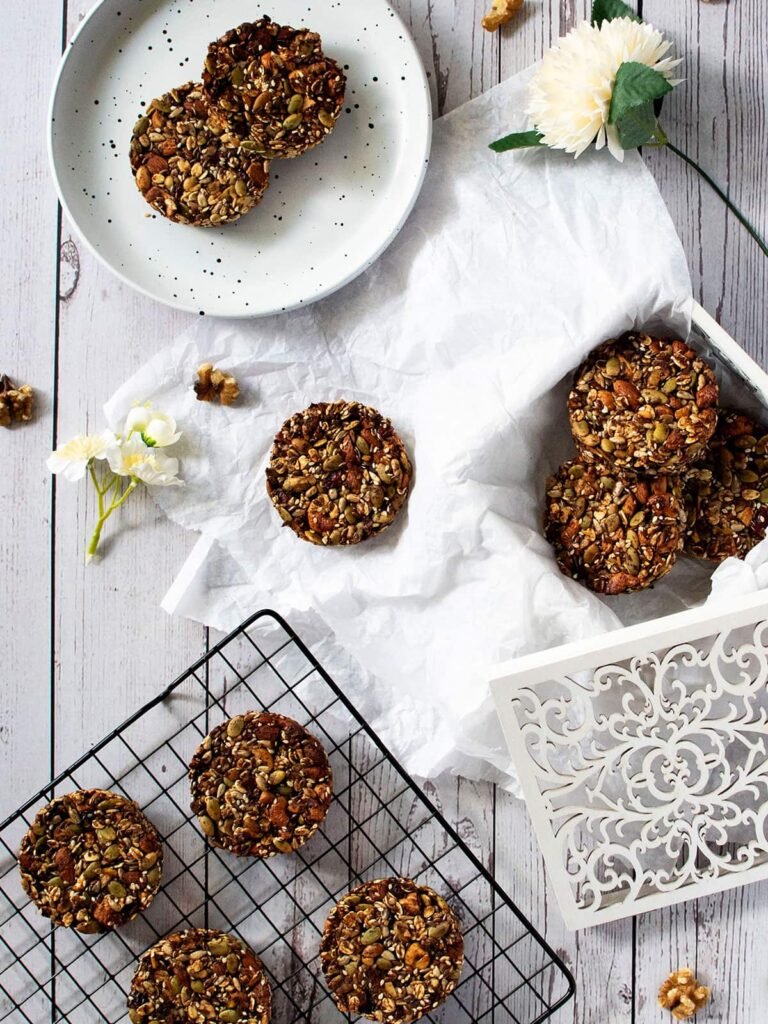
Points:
[[326, 216]]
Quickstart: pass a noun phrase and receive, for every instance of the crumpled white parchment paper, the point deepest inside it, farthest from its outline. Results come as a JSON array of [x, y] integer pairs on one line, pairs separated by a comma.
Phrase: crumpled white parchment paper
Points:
[[510, 269]]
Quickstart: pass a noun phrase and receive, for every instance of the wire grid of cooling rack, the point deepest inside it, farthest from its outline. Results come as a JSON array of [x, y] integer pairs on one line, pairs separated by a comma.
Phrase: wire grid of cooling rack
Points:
[[380, 824]]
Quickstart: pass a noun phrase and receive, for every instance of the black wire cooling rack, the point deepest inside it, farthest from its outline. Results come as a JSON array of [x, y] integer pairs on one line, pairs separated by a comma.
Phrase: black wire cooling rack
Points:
[[380, 824]]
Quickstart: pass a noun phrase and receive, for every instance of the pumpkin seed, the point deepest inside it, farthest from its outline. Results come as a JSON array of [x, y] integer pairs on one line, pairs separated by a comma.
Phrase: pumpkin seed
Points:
[[208, 827], [235, 726]]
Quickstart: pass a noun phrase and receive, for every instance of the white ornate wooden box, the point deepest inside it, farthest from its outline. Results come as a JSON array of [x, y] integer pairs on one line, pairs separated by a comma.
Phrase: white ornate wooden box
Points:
[[643, 753]]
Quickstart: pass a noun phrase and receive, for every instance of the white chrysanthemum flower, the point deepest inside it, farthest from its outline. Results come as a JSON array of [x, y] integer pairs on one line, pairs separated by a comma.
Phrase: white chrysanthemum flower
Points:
[[142, 462], [570, 94], [73, 458], [157, 429]]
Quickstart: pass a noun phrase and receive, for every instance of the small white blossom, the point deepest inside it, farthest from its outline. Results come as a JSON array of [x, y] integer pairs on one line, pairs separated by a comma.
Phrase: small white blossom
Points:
[[73, 458], [157, 429], [137, 419], [570, 93], [136, 459]]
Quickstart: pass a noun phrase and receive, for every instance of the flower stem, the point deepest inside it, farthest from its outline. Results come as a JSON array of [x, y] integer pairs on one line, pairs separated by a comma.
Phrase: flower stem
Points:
[[93, 543], [104, 512], [126, 494], [723, 195]]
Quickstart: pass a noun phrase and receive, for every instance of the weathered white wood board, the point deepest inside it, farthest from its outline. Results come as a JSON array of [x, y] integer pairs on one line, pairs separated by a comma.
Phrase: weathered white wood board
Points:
[[718, 118], [28, 270], [81, 647]]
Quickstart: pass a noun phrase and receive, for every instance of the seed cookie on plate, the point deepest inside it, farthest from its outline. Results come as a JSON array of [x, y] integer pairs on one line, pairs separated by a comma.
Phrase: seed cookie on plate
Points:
[[275, 86], [187, 168]]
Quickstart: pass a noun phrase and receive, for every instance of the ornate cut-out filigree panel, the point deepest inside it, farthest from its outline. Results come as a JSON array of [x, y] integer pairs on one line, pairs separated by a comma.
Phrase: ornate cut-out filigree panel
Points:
[[644, 760]]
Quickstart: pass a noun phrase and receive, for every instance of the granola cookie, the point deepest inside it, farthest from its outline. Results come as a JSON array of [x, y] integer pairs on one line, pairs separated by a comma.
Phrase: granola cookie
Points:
[[275, 87], [644, 405], [197, 976], [611, 533], [91, 861], [391, 951], [726, 493], [188, 168], [261, 785], [338, 473]]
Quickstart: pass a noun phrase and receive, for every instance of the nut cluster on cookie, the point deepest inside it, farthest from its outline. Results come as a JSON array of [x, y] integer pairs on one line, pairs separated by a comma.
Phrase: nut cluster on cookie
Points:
[[200, 153], [659, 470]]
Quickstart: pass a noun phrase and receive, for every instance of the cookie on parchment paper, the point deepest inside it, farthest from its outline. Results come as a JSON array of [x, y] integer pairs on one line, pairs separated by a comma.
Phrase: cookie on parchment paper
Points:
[[613, 534], [643, 405], [338, 473], [726, 492]]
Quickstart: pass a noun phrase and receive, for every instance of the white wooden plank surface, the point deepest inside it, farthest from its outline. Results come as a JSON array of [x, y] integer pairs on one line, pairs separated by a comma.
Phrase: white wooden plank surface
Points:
[[27, 354], [718, 117], [80, 648]]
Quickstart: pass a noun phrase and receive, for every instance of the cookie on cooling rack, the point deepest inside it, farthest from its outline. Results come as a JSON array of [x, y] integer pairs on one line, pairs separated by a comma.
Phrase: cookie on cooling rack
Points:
[[185, 166], [392, 951], [91, 861], [643, 405], [261, 785], [274, 86], [613, 534], [196, 976], [338, 473], [726, 492]]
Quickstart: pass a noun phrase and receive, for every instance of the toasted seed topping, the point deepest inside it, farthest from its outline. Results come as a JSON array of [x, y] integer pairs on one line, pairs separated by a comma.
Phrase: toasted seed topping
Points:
[[338, 473], [275, 87], [644, 405], [91, 861], [188, 168], [391, 951], [612, 533], [199, 976], [261, 785], [726, 493]]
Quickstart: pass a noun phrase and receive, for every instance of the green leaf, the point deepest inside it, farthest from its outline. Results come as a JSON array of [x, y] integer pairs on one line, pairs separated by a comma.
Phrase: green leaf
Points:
[[638, 127], [607, 10], [517, 140], [635, 86]]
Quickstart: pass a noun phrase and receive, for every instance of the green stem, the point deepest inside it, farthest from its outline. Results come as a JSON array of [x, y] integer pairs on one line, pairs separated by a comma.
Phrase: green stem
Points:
[[97, 487], [723, 195], [104, 514], [93, 543], [125, 495]]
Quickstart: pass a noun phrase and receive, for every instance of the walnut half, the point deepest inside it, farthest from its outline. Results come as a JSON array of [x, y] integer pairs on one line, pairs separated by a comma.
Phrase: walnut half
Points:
[[214, 385], [500, 13], [682, 994], [16, 404]]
